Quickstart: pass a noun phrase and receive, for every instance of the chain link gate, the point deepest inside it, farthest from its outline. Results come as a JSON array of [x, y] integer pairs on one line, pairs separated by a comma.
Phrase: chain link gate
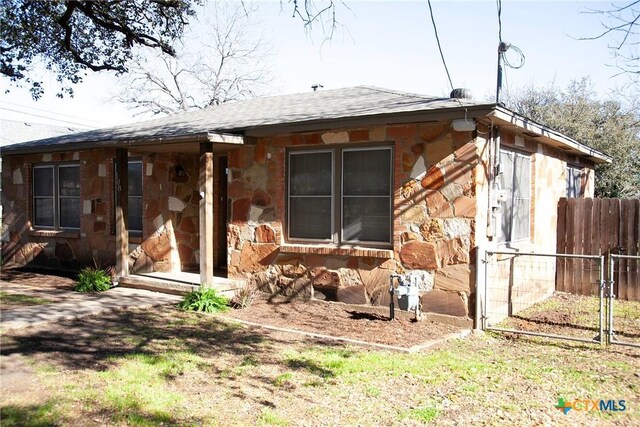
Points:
[[518, 294], [623, 315]]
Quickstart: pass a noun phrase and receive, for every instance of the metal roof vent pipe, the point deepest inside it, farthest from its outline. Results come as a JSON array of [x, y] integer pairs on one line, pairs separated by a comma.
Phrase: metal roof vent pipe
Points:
[[461, 93]]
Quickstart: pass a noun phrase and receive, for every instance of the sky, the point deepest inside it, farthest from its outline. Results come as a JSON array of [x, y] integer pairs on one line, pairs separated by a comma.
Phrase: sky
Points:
[[389, 44]]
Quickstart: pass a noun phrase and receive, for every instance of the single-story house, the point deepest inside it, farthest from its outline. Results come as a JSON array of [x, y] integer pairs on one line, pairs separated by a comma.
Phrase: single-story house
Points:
[[323, 194]]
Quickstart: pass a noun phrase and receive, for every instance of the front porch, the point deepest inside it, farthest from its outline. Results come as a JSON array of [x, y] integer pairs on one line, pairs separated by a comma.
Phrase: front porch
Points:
[[183, 211]]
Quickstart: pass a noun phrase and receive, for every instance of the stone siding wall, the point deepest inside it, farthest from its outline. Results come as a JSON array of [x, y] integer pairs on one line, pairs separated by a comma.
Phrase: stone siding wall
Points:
[[433, 232], [170, 214]]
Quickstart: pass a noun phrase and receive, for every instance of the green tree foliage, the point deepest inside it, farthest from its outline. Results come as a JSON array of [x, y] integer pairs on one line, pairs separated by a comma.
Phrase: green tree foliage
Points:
[[71, 37], [606, 125]]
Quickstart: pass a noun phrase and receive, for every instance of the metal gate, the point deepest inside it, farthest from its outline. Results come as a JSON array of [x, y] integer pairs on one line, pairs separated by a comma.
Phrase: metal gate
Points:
[[623, 316], [518, 294]]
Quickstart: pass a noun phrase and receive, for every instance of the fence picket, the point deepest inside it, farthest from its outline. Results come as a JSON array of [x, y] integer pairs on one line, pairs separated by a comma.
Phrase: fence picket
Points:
[[598, 227]]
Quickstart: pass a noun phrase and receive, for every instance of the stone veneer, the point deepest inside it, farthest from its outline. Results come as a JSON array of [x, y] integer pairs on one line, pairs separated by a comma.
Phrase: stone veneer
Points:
[[433, 233], [170, 214]]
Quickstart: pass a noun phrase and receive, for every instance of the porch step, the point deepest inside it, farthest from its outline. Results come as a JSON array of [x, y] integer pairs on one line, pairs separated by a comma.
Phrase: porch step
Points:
[[179, 284]]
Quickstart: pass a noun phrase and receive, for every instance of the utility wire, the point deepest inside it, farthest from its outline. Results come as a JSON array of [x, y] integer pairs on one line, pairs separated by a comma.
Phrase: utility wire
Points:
[[435, 30], [54, 113], [45, 117]]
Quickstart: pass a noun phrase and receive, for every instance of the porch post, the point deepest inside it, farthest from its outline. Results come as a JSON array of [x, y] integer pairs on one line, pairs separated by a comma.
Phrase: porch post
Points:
[[206, 214], [122, 212]]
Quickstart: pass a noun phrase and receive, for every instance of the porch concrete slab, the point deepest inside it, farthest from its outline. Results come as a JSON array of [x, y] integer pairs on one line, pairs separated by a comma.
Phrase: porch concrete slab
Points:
[[76, 305], [179, 283]]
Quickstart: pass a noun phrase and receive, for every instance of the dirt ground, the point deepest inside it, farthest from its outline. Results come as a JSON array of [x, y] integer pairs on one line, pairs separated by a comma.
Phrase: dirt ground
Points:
[[370, 324], [38, 280], [578, 316]]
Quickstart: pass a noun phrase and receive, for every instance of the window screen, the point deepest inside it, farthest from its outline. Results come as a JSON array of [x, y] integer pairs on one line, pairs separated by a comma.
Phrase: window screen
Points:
[[341, 195], [574, 182], [366, 195], [56, 196], [310, 195], [134, 195], [515, 178]]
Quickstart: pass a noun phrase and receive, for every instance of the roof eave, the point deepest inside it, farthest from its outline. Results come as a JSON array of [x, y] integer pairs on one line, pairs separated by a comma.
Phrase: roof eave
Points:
[[214, 137], [505, 117]]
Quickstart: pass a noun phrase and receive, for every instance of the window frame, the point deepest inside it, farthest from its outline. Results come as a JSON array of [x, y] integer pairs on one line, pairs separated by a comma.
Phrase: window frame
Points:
[[337, 195], [132, 232], [342, 196], [333, 186], [55, 196], [570, 170], [502, 238]]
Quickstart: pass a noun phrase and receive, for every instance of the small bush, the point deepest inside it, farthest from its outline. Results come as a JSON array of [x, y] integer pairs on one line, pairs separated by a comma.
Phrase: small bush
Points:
[[92, 279], [204, 299]]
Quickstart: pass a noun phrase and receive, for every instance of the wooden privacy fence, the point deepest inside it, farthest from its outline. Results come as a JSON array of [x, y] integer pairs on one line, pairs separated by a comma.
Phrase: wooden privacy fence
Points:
[[599, 227]]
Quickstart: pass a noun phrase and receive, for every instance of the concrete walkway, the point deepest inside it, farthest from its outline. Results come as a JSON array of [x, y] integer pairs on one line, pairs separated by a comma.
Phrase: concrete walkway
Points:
[[72, 305]]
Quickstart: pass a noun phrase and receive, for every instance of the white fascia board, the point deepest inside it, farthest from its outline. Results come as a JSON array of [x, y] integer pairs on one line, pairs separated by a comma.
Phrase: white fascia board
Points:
[[503, 116], [225, 138]]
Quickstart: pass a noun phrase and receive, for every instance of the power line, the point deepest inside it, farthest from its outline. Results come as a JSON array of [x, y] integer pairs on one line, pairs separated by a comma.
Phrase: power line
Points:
[[53, 112], [45, 117], [435, 30]]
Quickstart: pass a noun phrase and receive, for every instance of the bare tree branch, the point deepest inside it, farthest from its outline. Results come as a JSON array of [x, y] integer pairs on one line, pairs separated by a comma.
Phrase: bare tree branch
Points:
[[230, 66], [620, 22]]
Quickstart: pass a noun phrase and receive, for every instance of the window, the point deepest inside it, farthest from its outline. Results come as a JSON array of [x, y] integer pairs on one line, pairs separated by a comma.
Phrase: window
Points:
[[515, 178], [341, 195], [574, 182], [56, 196], [135, 195]]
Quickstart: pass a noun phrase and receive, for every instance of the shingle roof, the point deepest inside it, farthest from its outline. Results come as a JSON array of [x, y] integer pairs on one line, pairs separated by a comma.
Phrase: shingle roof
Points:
[[14, 131], [354, 102]]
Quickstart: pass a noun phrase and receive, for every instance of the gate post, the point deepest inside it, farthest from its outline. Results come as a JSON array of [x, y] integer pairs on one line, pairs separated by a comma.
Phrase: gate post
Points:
[[481, 287], [602, 286], [610, 296]]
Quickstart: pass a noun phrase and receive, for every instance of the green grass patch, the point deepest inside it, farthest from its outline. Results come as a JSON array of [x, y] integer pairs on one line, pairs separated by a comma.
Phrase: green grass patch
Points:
[[136, 390], [282, 379], [270, 418], [34, 415], [425, 414], [21, 299]]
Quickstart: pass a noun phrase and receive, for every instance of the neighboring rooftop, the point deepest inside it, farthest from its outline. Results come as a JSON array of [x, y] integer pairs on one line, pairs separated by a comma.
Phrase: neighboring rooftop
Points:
[[14, 131]]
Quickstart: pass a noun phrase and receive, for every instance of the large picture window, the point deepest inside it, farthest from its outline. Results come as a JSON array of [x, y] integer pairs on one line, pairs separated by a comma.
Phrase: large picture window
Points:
[[515, 178], [134, 196], [341, 195], [56, 196]]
